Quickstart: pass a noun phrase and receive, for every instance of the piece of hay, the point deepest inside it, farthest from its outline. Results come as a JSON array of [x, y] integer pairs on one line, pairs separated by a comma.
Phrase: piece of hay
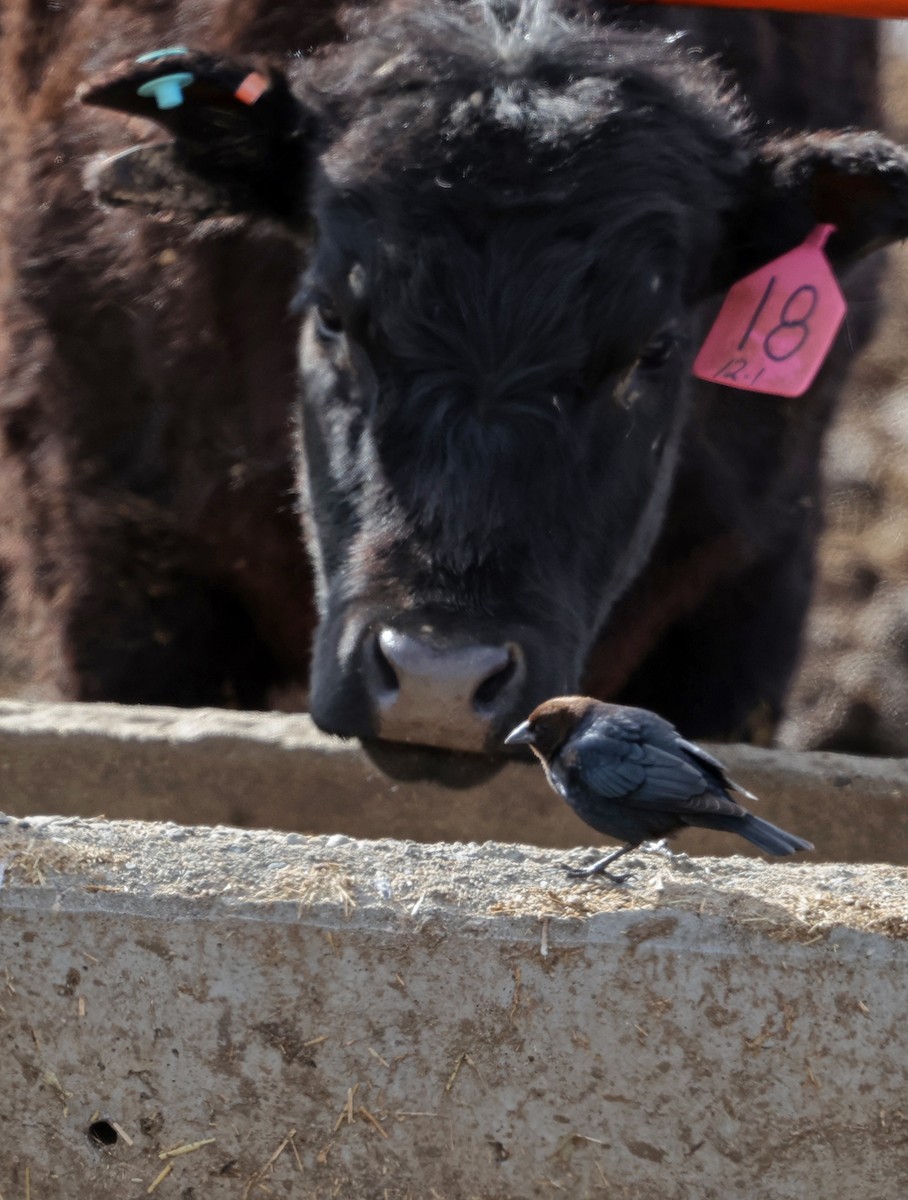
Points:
[[159, 1179]]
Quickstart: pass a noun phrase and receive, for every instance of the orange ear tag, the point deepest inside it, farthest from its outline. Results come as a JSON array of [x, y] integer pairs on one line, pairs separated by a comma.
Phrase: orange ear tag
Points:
[[252, 87], [777, 325]]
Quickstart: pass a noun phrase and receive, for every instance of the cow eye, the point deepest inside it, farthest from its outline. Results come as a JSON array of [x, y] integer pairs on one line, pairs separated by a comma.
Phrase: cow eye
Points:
[[659, 349], [328, 323]]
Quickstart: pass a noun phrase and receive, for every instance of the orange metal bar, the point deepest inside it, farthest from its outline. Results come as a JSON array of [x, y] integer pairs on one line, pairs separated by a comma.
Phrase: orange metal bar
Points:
[[829, 8]]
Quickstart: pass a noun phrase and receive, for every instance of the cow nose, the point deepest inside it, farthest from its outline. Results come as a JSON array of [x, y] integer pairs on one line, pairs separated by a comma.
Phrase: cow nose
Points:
[[435, 691]]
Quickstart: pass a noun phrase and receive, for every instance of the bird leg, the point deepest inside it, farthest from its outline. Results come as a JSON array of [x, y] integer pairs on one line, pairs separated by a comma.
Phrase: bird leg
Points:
[[660, 847], [598, 868]]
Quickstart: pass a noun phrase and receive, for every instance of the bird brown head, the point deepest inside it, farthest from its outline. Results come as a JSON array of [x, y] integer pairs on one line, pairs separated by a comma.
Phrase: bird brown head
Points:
[[550, 725]]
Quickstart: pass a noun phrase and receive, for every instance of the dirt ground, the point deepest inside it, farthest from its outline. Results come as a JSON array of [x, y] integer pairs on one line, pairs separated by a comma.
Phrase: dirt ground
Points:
[[852, 691]]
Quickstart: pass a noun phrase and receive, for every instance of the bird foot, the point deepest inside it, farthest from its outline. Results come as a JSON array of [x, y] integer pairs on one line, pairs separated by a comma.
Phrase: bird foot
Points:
[[660, 847], [597, 870]]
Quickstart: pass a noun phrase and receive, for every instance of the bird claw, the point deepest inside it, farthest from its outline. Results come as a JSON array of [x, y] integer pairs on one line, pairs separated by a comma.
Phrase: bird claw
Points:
[[593, 872]]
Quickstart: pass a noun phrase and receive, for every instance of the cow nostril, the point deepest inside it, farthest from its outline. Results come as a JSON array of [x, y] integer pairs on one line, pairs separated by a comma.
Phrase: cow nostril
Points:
[[491, 688], [387, 676]]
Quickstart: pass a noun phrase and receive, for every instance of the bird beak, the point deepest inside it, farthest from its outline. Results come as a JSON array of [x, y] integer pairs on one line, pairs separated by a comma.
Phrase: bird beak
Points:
[[522, 733]]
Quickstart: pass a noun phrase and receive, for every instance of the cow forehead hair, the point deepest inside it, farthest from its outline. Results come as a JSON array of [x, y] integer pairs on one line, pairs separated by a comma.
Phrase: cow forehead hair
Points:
[[436, 57]]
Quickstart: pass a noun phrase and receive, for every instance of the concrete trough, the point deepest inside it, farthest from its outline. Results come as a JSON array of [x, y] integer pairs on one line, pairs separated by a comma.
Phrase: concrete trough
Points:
[[217, 1013], [277, 771]]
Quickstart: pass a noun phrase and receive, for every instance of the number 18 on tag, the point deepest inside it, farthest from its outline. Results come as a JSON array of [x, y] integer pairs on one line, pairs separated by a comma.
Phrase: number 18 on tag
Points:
[[777, 325]]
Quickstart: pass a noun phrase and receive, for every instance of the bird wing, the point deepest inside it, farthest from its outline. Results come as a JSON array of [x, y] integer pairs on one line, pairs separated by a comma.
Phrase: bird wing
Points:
[[714, 768], [616, 760]]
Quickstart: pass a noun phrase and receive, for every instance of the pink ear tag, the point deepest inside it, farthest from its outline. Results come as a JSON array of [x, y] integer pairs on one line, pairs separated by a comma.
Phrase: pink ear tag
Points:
[[252, 88], [777, 325]]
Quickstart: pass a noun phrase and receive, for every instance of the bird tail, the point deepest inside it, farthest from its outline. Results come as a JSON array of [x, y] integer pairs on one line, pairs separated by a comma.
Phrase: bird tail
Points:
[[762, 834]]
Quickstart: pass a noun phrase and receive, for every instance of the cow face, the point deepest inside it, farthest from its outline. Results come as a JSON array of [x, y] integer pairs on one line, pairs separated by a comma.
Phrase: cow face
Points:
[[495, 333], [510, 236]]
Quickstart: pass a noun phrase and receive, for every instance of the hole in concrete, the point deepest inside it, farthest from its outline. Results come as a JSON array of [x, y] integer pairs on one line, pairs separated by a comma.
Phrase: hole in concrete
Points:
[[103, 1133]]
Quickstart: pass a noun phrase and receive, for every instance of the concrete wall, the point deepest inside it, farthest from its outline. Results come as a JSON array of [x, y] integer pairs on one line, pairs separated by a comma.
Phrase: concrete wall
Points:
[[277, 771], [249, 1014]]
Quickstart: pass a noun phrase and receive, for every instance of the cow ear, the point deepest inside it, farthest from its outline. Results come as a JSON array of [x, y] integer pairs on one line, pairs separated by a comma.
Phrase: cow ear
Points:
[[856, 181], [241, 139]]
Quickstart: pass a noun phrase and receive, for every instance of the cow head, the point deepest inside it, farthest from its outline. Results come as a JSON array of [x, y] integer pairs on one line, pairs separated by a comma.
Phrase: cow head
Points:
[[510, 233]]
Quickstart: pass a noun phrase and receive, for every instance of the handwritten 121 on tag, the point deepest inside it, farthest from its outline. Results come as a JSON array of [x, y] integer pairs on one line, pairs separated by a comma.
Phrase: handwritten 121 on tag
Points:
[[777, 325]]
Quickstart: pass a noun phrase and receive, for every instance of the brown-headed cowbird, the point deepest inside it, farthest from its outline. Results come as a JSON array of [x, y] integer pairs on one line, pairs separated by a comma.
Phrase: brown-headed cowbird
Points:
[[631, 775]]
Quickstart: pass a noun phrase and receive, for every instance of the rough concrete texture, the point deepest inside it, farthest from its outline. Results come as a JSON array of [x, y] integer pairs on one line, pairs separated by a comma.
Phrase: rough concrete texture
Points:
[[277, 771], [242, 1014]]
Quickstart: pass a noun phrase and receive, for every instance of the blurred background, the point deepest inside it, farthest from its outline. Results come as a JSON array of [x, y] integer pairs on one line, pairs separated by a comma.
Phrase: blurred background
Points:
[[851, 693]]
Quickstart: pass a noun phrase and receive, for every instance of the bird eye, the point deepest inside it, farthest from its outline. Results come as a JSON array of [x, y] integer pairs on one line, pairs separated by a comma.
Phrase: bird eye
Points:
[[328, 323], [658, 350]]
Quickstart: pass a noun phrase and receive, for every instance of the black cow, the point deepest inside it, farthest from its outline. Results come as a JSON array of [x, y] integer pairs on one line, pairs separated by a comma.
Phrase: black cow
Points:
[[519, 227]]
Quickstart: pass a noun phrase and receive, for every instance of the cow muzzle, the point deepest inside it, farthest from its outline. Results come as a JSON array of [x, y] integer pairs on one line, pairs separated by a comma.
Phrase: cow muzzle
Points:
[[436, 689]]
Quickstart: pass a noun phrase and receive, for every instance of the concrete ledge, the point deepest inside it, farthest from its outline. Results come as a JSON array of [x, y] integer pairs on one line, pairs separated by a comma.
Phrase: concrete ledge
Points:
[[196, 1012], [277, 771]]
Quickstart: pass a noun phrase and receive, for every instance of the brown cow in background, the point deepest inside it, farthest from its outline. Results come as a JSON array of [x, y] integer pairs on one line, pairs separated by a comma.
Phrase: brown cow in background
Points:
[[150, 548]]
